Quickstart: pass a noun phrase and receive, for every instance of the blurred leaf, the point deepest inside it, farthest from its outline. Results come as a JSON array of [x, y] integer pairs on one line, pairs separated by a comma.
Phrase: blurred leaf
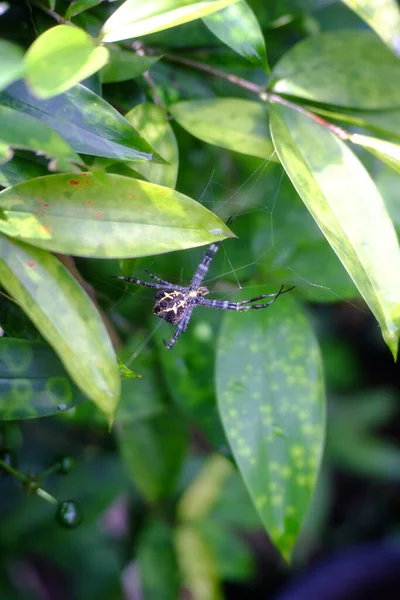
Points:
[[339, 67], [61, 57], [232, 123], [33, 382], [22, 131], [151, 122], [126, 373], [104, 215], [65, 316], [197, 563], [153, 450], [78, 6], [158, 568], [385, 151], [272, 407], [20, 169], [124, 65], [135, 18], [12, 63], [238, 27], [327, 174], [383, 17], [85, 121]]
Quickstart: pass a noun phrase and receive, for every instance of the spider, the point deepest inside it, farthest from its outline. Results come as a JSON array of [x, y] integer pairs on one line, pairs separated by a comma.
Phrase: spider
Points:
[[175, 303]]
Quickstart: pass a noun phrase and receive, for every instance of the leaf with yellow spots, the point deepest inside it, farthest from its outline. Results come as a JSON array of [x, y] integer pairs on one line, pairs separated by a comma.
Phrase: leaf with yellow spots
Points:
[[275, 418]]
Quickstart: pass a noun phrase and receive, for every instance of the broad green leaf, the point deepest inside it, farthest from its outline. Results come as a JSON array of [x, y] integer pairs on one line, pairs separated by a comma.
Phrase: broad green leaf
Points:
[[272, 407], [385, 151], [61, 57], [233, 123], [20, 169], [153, 450], [158, 568], [197, 564], [238, 27], [23, 131], [6, 153], [78, 6], [124, 65], [136, 18], [340, 68], [12, 63], [33, 382], [383, 17], [348, 208], [106, 216], [87, 122], [65, 316], [151, 122]]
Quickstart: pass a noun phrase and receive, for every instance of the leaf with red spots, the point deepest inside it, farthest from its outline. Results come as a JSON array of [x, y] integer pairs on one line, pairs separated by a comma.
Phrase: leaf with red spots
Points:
[[106, 216], [65, 316]]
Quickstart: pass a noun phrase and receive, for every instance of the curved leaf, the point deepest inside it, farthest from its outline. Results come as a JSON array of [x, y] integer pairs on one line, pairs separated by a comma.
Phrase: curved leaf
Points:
[[124, 65], [105, 215], [87, 122], [346, 205], [33, 382], [151, 121], [61, 57], [65, 316], [22, 131], [383, 17], [271, 399], [136, 18], [232, 123], [12, 63], [341, 68], [238, 27], [385, 151]]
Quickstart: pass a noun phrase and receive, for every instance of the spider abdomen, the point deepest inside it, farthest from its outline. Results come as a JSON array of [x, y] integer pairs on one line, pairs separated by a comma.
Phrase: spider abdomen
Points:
[[170, 305]]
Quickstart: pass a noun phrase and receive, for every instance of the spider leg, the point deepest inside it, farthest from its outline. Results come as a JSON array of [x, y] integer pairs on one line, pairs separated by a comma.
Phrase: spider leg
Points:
[[156, 286], [244, 304], [203, 267], [181, 328], [157, 278]]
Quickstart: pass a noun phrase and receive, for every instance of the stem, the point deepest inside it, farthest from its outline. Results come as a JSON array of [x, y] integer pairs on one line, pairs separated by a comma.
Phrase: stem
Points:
[[52, 13], [26, 480], [46, 496]]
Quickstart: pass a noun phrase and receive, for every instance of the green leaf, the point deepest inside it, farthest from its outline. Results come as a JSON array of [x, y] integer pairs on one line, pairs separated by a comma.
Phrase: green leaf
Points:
[[61, 57], [238, 27], [272, 408], [348, 208], [232, 123], [153, 450], [106, 216], [65, 316], [383, 17], [87, 122], [136, 18], [12, 63], [151, 121], [158, 568], [124, 65], [340, 68], [385, 151], [78, 6], [33, 382], [20, 169], [22, 131]]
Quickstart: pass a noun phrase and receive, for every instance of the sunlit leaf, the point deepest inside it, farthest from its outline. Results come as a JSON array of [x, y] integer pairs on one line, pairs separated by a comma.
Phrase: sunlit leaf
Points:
[[124, 65], [383, 17], [340, 67], [11, 61], [385, 151], [238, 27], [87, 122], [151, 122], [346, 205], [136, 18], [65, 316], [107, 216], [233, 123], [61, 57], [23, 131], [33, 382]]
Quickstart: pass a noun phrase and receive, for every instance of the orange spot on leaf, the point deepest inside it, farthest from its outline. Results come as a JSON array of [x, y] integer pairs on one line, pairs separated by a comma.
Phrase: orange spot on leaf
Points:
[[89, 202], [73, 182], [31, 264], [99, 215]]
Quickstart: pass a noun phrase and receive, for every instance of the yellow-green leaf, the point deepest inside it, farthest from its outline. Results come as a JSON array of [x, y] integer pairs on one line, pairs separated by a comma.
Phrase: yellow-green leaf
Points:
[[61, 57], [11, 61], [344, 201], [65, 316], [382, 16], [385, 151]]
